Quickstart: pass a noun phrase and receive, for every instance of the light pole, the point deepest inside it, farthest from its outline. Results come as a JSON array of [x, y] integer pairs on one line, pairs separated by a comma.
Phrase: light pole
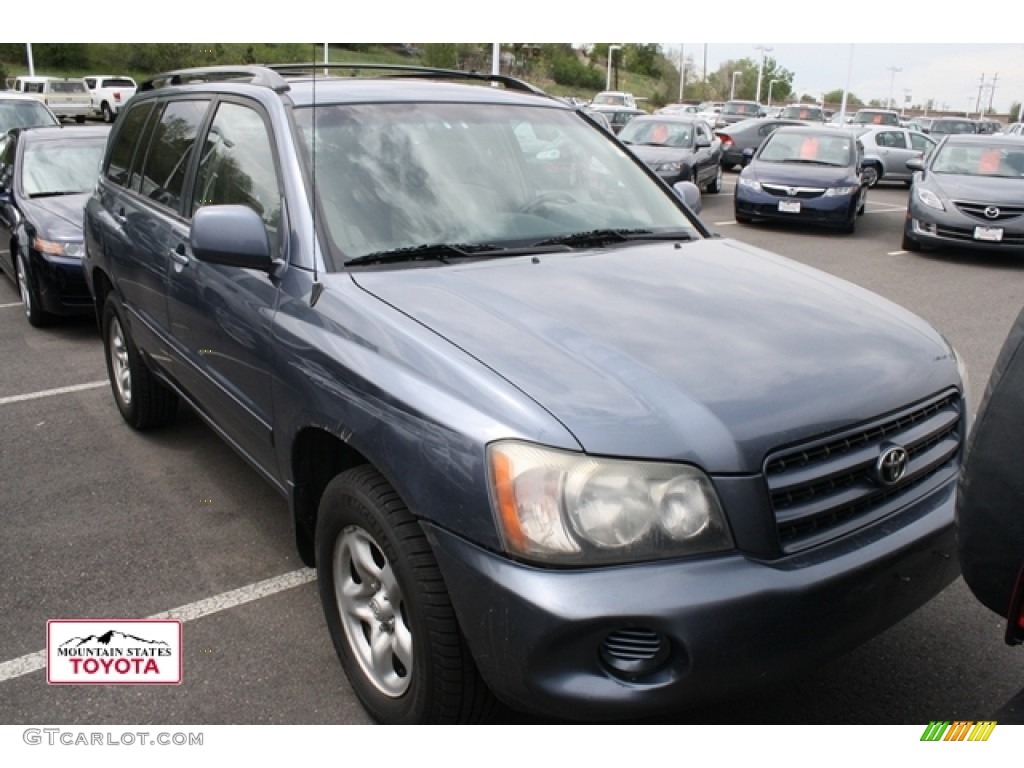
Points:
[[770, 84], [732, 91], [611, 52], [892, 80], [760, 69], [906, 100]]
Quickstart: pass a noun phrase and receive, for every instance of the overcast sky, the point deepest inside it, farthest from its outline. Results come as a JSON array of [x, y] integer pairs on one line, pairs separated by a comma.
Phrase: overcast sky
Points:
[[949, 73], [908, 34]]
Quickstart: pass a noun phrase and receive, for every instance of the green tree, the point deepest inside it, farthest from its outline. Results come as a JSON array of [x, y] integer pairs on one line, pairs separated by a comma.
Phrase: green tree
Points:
[[60, 55], [441, 55], [644, 59], [836, 97]]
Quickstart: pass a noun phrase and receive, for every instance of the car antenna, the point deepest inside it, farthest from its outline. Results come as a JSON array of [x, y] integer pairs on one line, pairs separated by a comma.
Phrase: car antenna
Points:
[[318, 287]]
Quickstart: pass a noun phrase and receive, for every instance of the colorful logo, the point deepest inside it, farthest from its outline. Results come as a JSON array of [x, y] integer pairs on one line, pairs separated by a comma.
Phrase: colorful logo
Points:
[[958, 730], [113, 652]]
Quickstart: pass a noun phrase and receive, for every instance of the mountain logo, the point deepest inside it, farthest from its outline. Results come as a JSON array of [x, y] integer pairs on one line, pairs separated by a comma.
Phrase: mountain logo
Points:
[[113, 652]]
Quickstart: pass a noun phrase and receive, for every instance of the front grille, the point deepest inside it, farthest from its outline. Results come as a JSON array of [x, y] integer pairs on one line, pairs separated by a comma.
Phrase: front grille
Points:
[[967, 235], [825, 488], [798, 193], [977, 211]]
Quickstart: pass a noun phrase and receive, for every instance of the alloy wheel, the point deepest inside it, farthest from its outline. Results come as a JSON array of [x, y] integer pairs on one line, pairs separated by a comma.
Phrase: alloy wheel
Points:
[[372, 612]]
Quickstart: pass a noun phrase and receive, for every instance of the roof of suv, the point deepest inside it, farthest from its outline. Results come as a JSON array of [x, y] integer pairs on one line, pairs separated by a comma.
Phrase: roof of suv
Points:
[[305, 86]]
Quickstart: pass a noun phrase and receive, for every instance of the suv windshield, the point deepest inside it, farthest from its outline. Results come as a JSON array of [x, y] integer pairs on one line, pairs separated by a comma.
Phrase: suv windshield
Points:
[[803, 113], [399, 176], [741, 108], [864, 117]]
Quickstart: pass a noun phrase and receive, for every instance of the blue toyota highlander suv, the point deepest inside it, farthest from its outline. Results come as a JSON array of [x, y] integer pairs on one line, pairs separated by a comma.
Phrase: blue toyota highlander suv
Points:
[[545, 439]]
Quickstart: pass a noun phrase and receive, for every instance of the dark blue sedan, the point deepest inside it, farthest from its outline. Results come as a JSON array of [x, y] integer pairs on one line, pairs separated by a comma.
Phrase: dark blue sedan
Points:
[[804, 174], [46, 175]]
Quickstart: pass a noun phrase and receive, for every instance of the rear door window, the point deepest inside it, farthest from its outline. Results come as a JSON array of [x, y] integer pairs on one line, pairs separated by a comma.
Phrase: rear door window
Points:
[[170, 151], [119, 166]]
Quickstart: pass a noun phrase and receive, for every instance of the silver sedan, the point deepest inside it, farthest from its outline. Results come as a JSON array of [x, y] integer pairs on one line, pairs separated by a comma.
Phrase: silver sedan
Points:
[[887, 149]]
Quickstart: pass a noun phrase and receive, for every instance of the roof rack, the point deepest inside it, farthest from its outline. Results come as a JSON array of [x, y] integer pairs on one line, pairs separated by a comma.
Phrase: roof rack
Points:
[[410, 70], [257, 75]]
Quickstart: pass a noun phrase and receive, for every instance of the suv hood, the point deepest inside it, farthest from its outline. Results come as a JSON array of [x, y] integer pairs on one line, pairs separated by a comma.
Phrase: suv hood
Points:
[[712, 352]]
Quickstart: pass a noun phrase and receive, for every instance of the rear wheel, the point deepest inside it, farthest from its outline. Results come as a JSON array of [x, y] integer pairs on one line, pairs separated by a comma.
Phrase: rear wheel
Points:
[[108, 115], [388, 610], [79, 119], [143, 401], [870, 175]]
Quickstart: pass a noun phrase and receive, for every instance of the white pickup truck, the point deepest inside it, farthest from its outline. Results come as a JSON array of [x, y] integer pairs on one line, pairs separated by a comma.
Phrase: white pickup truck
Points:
[[109, 94], [65, 96]]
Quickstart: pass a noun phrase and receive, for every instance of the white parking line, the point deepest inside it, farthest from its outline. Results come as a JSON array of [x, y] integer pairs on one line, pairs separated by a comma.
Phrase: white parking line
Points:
[[52, 392], [8, 306], [33, 662]]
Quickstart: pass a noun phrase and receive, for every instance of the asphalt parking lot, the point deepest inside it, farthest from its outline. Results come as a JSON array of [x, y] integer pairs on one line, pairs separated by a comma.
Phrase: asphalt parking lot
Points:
[[101, 521]]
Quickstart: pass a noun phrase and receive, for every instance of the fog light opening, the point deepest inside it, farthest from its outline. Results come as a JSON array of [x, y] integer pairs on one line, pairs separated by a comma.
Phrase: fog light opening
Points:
[[635, 651]]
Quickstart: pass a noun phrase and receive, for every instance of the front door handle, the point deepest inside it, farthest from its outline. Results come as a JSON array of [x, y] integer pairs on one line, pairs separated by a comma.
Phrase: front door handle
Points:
[[179, 256]]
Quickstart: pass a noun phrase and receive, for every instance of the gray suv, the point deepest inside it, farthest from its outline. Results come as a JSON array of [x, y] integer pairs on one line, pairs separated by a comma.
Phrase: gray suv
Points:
[[545, 439]]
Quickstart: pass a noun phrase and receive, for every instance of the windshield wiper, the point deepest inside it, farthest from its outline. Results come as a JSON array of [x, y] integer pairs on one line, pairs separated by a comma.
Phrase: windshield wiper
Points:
[[807, 161], [37, 195], [429, 252], [596, 237]]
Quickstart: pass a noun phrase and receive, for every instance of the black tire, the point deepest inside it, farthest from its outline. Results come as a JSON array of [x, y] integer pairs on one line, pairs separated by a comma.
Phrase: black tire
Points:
[[871, 174], [108, 115], [908, 244], [144, 402], [79, 119], [715, 186], [740, 219], [392, 592], [37, 316]]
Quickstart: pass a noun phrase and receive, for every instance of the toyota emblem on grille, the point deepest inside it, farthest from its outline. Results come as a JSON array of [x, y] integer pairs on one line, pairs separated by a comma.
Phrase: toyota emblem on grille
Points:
[[791, 191], [991, 212], [892, 465]]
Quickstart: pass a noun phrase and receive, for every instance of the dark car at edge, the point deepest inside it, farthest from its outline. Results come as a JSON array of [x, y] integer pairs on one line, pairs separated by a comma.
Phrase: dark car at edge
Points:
[[46, 176], [546, 440]]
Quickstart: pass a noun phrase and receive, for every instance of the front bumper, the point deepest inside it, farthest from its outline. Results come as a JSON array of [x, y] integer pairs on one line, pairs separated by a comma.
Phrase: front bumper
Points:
[[953, 229], [543, 638], [815, 210], [60, 284]]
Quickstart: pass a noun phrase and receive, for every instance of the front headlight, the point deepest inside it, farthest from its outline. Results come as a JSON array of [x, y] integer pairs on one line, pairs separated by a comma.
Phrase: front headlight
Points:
[[72, 248], [668, 167], [559, 507], [930, 199], [750, 184], [839, 191]]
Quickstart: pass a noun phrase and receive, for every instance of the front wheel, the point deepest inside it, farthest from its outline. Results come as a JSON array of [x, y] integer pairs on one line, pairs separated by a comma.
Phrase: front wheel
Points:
[[909, 244], [37, 316], [716, 184], [870, 175], [388, 610]]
